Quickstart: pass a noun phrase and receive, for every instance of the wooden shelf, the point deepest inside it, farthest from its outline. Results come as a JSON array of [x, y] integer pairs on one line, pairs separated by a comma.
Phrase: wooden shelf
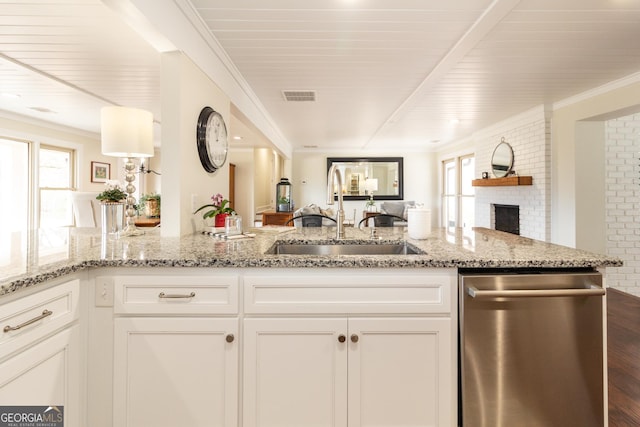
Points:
[[503, 182]]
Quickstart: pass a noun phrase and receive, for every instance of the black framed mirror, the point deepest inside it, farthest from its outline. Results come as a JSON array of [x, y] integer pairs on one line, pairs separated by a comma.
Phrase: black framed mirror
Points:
[[363, 176]]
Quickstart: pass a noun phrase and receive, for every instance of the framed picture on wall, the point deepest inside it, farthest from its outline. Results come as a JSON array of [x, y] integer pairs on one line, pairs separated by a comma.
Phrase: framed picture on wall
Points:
[[100, 172]]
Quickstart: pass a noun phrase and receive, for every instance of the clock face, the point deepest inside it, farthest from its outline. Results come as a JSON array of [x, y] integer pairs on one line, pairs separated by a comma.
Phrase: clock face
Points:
[[212, 140]]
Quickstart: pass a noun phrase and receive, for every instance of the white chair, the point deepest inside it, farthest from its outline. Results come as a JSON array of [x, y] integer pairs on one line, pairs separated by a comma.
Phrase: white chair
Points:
[[86, 209]]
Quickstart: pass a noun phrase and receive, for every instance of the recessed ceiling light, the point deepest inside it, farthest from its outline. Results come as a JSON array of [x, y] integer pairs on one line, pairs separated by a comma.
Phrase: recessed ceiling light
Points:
[[43, 110], [237, 138]]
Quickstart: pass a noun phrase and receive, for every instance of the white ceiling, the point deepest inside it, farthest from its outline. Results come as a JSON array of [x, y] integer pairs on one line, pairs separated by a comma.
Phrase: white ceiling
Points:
[[387, 73], [72, 57]]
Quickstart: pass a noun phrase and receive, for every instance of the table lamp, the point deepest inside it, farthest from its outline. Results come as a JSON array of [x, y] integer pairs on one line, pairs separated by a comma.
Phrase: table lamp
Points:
[[128, 133], [371, 185]]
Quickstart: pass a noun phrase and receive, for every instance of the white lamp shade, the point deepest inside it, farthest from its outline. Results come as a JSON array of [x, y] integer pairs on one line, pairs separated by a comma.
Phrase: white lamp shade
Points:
[[371, 184], [126, 132]]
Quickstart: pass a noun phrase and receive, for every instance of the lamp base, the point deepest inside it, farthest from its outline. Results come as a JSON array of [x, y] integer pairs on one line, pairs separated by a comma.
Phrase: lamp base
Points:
[[129, 231], [130, 212]]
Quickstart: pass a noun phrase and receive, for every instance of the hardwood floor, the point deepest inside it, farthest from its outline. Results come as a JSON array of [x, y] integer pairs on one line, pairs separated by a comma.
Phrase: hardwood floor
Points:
[[623, 318]]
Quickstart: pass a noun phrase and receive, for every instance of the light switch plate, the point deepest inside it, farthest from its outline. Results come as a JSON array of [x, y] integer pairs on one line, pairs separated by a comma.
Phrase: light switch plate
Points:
[[104, 292]]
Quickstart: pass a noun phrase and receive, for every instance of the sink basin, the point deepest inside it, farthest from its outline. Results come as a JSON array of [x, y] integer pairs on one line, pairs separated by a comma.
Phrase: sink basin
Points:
[[343, 249]]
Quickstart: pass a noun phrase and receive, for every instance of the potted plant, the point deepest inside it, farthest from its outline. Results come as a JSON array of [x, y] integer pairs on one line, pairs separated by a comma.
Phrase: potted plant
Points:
[[113, 194], [112, 207], [150, 205], [219, 210], [283, 204]]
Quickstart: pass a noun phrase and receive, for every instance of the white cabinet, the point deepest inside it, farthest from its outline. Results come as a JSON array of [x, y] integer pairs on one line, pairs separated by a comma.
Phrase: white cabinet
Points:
[[175, 351], [387, 361], [399, 372], [46, 374], [347, 372], [175, 372], [295, 373], [40, 354]]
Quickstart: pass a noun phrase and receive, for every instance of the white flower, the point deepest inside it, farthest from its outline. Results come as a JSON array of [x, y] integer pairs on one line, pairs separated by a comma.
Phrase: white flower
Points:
[[113, 184]]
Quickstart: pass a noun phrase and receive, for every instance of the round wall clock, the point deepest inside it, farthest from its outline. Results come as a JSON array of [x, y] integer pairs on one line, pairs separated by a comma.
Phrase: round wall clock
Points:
[[211, 136]]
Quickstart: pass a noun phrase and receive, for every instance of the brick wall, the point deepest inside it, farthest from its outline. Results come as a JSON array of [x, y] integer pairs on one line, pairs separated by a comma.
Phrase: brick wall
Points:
[[529, 135], [622, 207]]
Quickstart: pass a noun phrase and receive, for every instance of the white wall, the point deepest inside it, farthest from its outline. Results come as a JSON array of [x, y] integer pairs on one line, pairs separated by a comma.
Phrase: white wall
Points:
[[590, 203], [151, 182], [623, 201], [570, 183], [264, 186], [309, 180], [245, 171], [185, 183]]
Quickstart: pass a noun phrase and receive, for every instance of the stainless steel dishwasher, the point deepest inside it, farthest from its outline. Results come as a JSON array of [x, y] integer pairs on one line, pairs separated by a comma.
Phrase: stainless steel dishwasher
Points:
[[531, 349]]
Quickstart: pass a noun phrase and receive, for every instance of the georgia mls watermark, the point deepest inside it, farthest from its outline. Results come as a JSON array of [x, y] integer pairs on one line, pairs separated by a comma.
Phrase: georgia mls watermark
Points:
[[31, 416]]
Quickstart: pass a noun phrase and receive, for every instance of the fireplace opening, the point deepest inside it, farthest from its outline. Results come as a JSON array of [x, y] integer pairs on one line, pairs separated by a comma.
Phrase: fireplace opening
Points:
[[507, 218]]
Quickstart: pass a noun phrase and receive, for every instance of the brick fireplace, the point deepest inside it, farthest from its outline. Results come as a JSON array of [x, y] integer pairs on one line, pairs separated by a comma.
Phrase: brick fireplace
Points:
[[529, 134]]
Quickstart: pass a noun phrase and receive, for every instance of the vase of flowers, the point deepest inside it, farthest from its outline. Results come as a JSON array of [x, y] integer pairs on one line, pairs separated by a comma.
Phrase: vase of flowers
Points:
[[371, 204], [112, 208], [218, 209]]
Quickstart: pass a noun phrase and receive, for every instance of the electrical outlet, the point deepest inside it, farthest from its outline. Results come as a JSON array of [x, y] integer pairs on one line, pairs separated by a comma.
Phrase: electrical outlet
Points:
[[104, 292]]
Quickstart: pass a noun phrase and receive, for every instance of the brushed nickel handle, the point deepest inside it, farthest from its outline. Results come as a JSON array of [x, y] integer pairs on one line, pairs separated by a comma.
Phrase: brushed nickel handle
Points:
[[45, 313], [229, 338], [165, 296], [354, 338], [341, 338], [522, 293]]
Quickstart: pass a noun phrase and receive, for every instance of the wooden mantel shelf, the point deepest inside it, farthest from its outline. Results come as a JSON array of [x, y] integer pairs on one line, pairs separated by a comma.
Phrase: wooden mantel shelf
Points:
[[503, 182]]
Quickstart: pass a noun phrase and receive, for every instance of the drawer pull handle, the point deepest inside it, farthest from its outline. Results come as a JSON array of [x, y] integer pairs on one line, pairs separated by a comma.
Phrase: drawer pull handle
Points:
[[45, 313], [354, 338], [342, 338], [230, 338], [163, 295]]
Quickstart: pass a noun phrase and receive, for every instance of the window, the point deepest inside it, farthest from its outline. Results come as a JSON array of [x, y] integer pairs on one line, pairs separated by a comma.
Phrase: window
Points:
[[449, 193], [56, 179], [467, 192], [14, 196], [458, 195]]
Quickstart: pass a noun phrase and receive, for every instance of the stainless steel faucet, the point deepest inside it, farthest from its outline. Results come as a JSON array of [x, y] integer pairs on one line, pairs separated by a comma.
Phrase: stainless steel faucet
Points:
[[334, 172]]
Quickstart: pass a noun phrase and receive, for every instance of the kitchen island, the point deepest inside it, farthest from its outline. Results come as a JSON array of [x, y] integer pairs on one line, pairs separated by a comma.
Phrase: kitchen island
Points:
[[225, 333], [55, 253]]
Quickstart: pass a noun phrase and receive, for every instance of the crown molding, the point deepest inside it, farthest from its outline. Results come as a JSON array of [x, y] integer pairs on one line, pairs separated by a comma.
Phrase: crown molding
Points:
[[185, 29], [600, 90]]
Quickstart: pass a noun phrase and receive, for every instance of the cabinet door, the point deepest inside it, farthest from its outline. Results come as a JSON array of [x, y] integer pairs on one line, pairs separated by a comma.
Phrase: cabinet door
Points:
[[400, 372], [175, 372], [47, 374], [295, 373]]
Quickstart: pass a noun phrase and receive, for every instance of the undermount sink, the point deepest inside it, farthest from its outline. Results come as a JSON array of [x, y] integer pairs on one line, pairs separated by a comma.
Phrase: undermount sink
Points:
[[342, 248]]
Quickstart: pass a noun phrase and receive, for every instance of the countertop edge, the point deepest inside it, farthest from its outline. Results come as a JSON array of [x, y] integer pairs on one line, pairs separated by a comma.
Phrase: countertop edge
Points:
[[308, 262]]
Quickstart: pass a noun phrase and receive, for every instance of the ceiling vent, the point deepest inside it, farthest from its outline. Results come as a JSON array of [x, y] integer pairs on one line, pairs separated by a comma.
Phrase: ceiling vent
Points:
[[299, 95]]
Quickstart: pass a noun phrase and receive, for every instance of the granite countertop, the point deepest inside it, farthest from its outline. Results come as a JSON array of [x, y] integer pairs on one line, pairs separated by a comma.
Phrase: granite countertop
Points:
[[48, 254]]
